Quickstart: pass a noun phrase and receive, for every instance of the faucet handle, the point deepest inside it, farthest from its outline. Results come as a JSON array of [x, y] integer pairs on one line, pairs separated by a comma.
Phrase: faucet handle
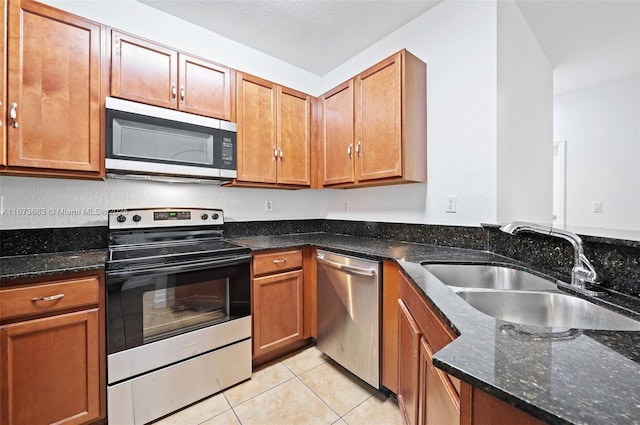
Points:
[[592, 276]]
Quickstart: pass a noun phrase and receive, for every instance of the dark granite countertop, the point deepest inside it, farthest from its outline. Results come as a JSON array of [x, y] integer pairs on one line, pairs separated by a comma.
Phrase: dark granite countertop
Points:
[[39, 265], [586, 377], [581, 377]]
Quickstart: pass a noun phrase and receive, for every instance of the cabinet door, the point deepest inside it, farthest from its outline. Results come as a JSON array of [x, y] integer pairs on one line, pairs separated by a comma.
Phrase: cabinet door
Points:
[[3, 83], [409, 365], [54, 89], [143, 71], [439, 398], [294, 137], [257, 144], [379, 121], [49, 370], [277, 314], [337, 149], [205, 88]]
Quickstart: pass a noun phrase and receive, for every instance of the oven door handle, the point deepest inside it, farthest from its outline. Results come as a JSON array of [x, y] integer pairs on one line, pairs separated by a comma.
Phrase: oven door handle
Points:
[[182, 267]]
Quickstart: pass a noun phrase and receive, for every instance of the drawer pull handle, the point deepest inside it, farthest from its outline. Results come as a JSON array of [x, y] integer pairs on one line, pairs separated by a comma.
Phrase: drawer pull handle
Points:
[[279, 261], [50, 298]]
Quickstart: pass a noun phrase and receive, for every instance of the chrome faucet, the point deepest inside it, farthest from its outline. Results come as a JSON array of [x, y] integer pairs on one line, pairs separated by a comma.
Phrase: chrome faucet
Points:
[[582, 272]]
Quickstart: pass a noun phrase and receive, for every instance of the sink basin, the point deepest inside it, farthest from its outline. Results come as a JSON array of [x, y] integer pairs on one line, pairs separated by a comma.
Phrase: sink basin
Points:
[[488, 277], [547, 309]]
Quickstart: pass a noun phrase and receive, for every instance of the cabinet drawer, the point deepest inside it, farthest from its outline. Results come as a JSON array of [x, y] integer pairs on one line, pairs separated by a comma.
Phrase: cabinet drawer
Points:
[[274, 262], [49, 297]]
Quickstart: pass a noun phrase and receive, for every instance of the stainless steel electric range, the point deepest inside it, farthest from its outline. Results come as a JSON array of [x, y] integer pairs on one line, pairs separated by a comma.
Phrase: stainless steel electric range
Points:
[[178, 311]]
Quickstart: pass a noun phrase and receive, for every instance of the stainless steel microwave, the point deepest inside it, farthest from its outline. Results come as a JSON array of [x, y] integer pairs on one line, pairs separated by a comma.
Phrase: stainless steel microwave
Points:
[[148, 142]]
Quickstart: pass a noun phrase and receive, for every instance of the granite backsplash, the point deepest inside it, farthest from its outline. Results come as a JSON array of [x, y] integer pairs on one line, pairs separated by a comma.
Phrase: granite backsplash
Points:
[[48, 240], [617, 262]]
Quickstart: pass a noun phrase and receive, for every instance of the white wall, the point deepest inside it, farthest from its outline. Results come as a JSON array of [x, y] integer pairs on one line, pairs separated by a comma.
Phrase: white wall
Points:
[[40, 202], [525, 115], [457, 40], [601, 126]]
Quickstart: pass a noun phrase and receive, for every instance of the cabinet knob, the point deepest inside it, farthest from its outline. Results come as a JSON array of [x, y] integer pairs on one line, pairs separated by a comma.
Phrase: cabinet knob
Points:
[[182, 94], [13, 114], [358, 151], [349, 150], [275, 153], [282, 261], [281, 154], [174, 91]]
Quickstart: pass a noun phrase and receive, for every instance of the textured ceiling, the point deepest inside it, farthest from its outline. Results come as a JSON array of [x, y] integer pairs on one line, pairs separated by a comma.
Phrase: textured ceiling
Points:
[[586, 41], [315, 35]]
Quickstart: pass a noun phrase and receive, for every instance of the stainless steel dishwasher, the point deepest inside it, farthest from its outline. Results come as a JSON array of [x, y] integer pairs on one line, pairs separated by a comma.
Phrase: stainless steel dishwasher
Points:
[[349, 313]]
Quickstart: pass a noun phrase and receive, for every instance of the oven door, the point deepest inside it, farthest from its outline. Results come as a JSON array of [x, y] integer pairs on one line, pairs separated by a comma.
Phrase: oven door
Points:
[[152, 304]]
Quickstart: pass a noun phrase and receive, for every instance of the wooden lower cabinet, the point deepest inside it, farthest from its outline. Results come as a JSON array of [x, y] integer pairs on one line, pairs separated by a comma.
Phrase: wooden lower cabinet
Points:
[[428, 395], [280, 322], [278, 311], [409, 377], [439, 399], [52, 363], [50, 368], [488, 410]]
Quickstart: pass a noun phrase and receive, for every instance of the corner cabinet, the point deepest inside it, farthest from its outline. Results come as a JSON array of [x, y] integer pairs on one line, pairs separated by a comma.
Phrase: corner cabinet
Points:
[[373, 127], [54, 102], [52, 352], [428, 395], [150, 73], [274, 134]]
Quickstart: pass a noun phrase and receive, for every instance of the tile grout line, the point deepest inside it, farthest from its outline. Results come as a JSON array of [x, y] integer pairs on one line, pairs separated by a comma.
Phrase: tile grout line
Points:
[[320, 398]]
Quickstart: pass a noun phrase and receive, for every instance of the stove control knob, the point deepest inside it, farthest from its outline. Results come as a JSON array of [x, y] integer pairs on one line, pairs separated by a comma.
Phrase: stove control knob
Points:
[[137, 218], [204, 216], [215, 216], [121, 218]]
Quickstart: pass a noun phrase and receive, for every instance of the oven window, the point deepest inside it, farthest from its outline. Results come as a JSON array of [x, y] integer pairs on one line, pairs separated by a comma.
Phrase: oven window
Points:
[[180, 308], [147, 307]]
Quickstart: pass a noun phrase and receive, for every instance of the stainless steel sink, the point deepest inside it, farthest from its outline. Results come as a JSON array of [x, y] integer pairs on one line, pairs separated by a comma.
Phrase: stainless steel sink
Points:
[[547, 309], [488, 277]]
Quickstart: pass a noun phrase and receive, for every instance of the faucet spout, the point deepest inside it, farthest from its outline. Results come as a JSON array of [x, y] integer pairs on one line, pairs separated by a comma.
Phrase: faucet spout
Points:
[[582, 272]]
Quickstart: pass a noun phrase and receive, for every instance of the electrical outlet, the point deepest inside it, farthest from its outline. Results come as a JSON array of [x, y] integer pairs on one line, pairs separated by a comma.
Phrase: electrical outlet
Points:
[[597, 207], [268, 206], [452, 202], [346, 205]]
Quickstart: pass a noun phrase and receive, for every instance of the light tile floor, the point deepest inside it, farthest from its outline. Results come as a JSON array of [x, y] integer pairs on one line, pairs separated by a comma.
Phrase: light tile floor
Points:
[[304, 388]]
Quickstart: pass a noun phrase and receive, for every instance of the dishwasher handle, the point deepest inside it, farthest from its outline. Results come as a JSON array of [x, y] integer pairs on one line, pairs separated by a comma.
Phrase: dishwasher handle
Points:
[[345, 267]]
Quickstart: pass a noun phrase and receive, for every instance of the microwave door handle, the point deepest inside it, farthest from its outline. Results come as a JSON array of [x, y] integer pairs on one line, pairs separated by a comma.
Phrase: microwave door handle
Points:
[[183, 267]]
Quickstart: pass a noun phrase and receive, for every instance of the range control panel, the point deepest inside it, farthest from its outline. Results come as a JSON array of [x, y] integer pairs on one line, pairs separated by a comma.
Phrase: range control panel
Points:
[[163, 217]]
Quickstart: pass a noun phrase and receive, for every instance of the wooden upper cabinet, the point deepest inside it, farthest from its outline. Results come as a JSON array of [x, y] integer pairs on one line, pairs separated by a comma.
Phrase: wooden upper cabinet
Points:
[[374, 127], [274, 133], [150, 73], [205, 88], [294, 137], [143, 71], [379, 121], [257, 150], [54, 91], [337, 149], [3, 84]]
